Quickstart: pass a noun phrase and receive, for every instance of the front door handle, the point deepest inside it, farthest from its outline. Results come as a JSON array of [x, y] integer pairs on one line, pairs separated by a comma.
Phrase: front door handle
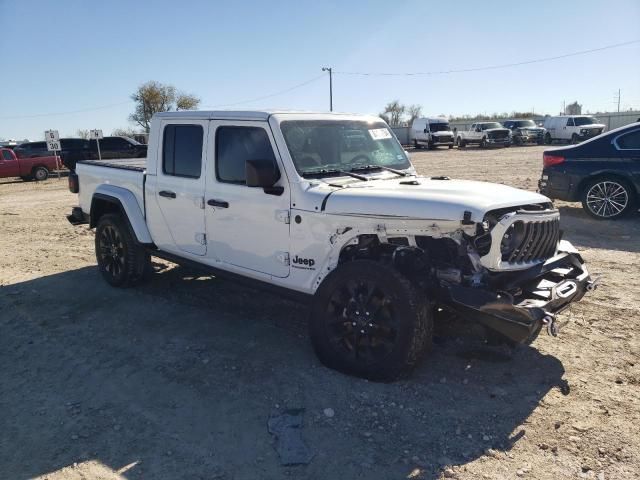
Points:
[[167, 194], [218, 203]]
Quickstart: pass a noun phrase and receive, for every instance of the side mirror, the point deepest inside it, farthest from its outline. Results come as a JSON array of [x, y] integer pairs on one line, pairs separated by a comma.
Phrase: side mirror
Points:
[[263, 174], [425, 130]]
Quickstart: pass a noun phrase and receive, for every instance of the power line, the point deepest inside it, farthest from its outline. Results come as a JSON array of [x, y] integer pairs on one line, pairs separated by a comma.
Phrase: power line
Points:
[[491, 67], [53, 114], [281, 92]]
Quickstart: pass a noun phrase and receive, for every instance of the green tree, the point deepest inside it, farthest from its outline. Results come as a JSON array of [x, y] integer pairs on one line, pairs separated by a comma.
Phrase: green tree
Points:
[[154, 97]]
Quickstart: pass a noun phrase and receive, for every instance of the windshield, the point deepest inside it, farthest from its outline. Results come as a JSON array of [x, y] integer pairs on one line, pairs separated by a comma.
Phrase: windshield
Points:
[[439, 127], [524, 123], [486, 126], [332, 145], [584, 121]]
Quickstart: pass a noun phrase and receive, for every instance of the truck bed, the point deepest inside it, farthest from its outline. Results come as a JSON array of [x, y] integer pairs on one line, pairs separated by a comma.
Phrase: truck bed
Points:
[[136, 164]]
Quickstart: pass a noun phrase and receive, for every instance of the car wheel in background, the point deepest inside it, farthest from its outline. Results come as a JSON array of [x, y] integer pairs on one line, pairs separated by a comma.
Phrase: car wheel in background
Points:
[[547, 139], [608, 198], [483, 143], [461, 143], [416, 145], [369, 320], [40, 173], [574, 139], [450, 146]]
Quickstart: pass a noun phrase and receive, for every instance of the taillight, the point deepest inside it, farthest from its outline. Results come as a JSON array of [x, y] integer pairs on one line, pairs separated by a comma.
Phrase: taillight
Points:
[[550, 160], [74, 183]]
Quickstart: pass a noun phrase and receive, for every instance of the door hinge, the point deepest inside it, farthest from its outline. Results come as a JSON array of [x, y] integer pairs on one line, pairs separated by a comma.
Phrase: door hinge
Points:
[[201, 238], [284, 216], [283, 257]]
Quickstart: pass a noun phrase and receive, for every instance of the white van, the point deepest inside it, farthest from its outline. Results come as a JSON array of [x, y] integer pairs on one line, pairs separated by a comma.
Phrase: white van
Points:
[[431, 132], [571, 128]]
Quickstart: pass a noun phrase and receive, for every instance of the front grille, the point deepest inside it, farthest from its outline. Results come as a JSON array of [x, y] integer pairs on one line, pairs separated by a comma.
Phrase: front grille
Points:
[[531, 241], [498, 135], [444, 139]]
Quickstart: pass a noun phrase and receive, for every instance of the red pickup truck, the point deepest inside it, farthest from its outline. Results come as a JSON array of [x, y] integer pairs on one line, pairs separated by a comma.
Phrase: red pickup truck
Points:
[[37, 168]]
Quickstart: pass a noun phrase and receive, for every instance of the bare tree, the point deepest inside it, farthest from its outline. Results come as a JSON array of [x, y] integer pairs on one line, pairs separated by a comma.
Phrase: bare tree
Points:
[[83, 134], [393, 112], [124, 132], [413, 111], [153, 97]]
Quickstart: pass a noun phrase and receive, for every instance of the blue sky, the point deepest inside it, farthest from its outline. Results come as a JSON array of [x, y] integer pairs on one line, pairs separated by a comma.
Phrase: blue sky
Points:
[[73, 55]]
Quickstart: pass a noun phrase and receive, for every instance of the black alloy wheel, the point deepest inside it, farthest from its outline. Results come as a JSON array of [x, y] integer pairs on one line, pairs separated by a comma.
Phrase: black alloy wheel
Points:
[[368, 320]]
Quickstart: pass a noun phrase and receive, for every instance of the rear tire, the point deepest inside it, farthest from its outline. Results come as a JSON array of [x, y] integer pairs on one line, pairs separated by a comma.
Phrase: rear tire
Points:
[[608, 198], [40, 174], [369, 321], [122, 261]]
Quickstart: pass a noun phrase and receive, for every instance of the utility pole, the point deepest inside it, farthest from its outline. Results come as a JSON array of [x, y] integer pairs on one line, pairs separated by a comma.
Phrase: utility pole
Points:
[[618, 100], [330, 70]]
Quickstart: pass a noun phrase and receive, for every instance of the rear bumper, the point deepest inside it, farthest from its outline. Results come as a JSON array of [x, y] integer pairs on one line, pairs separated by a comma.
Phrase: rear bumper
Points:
[[519, 304]]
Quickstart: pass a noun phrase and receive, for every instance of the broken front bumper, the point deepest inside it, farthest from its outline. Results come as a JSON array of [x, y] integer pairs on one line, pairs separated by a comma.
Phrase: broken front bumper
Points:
[[519, 304]]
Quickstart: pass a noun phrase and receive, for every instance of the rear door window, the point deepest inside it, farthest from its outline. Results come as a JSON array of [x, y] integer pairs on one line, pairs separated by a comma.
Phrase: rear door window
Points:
[[6, 154], [182, 150], [629, 141]]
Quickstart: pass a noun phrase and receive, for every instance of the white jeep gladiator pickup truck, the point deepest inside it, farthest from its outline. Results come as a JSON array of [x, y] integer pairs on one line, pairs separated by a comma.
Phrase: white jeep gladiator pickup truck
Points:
[[329, 208], [484, 134]]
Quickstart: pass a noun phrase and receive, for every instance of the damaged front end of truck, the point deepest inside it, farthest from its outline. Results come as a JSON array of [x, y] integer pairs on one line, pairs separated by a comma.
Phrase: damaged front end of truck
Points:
[[512, 272]]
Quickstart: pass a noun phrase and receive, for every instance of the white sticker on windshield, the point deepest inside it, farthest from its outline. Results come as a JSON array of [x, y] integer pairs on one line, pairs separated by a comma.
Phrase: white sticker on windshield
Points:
[[380, 133]]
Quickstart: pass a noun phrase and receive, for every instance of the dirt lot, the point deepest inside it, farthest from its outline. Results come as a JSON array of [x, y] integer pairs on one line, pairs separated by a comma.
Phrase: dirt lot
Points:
[[178, 378]]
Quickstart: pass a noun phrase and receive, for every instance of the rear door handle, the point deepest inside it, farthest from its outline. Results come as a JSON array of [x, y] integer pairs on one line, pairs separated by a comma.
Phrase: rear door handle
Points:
[[218, 203], [167, 194]]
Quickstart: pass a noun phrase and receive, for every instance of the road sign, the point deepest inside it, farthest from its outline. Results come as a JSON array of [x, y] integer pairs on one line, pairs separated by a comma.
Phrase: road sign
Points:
[[53, 145], [51, 135], [95, 134]]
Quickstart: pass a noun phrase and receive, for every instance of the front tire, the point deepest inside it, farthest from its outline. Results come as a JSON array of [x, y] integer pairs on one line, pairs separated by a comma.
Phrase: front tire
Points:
[[368, 320], [122, 261], [483, 143], [608, 198], [574, 139]]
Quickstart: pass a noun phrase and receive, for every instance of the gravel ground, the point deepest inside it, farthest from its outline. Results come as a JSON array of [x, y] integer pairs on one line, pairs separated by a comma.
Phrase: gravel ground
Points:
[[178, 378]]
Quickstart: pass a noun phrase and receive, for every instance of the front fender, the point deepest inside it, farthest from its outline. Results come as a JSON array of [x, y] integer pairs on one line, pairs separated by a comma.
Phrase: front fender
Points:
[[129, 206]]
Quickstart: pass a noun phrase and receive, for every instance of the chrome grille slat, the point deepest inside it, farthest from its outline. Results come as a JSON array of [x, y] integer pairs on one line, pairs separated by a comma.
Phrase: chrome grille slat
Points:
[[539, 240]]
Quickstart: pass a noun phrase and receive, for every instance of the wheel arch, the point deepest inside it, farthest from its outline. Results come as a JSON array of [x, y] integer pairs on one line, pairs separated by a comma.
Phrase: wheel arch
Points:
[[606, 174], [110, 199]]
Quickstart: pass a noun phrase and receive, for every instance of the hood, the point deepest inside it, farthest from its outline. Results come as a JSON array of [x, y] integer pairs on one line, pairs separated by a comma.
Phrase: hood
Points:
[[497, 130], [592, 126], [427, 198]]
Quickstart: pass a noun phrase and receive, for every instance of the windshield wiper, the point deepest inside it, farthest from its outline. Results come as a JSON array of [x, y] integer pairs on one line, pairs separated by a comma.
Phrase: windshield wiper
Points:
[[329, 171], [360, 168]]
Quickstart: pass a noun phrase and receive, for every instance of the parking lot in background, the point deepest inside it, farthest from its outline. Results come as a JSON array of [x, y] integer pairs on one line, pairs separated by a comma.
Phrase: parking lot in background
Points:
[[178, 378]]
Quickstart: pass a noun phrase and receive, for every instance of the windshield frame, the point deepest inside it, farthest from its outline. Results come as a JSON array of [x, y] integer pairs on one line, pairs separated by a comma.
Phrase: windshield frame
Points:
[[351, 123]]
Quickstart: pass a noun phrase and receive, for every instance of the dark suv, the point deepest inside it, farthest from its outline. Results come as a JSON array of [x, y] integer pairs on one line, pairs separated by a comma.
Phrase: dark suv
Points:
[[525, 131], [603, 173]]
